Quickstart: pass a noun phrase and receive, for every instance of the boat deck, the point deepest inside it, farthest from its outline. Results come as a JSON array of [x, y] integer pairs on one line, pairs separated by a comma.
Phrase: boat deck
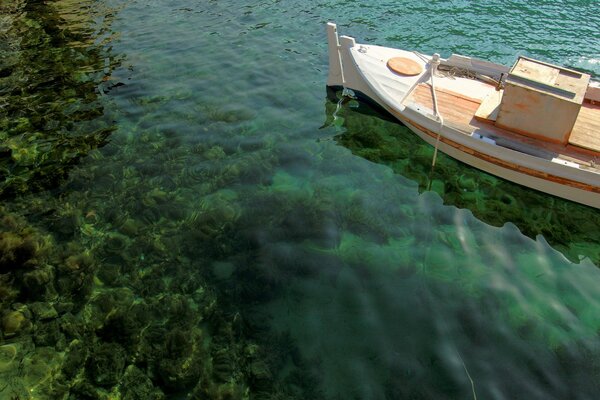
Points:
[[459, 109], [586, 132]]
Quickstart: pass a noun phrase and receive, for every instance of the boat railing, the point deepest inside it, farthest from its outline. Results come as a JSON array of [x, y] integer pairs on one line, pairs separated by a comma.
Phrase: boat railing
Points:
[[593, 92], [476, 66]]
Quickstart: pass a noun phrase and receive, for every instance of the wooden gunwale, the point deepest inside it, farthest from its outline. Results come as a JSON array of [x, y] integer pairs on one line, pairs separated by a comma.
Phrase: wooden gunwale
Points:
[[457, 104], [459, 109], [504, 163]]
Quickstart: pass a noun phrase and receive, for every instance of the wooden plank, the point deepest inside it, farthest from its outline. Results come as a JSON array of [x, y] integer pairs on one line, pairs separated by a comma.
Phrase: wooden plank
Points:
[[453, 107], [593, 92], [488, 110], [586, 131], [508, 165], [535, 71], [459, 112]]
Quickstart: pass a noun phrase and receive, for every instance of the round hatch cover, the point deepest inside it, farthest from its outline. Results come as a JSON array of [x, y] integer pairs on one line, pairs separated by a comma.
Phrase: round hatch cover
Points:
[[404, 66]]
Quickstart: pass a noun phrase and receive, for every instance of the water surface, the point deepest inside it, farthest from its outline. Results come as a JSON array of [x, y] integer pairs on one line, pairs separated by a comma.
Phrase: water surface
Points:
[[187, 213]]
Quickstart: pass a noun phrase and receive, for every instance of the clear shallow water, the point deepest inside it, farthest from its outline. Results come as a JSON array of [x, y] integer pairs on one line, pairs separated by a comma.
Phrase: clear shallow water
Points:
[[230, 238]]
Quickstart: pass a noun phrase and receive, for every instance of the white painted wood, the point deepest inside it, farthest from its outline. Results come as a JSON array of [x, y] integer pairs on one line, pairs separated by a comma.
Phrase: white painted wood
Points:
[[542, 100], [574, 194], [372, 60], [477, 66], [364, 69], [593, 92], [336, 77], [488, 110]]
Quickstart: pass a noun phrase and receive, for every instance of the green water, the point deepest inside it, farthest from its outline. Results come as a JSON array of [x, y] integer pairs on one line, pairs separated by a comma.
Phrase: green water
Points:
[[188, 213]]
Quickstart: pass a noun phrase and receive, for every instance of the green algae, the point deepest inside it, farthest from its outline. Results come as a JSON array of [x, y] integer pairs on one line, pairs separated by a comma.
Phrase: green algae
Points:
[[567, 226], [51, 115], [8, 354], [514, 281], [133, 300], [163, 245], [101, 312]]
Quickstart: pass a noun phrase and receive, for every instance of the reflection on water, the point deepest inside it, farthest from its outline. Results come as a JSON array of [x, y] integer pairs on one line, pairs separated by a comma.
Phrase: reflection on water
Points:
[[53, 70], [220, 246], [117, 281], [370, 132]]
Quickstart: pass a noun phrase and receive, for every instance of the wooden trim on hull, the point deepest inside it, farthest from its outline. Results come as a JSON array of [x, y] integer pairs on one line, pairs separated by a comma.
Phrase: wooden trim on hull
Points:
[[592, 192], [369, 78]]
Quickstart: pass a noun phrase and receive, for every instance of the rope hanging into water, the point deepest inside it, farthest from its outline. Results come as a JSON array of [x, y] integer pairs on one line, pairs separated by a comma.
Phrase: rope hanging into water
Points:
[[435, 62]]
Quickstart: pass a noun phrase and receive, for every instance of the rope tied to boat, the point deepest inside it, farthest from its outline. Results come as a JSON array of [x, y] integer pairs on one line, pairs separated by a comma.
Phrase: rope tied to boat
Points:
[[434, 63]]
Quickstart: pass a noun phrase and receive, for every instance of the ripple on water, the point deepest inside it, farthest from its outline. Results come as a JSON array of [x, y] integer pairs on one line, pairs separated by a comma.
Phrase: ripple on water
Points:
[[221, 245]]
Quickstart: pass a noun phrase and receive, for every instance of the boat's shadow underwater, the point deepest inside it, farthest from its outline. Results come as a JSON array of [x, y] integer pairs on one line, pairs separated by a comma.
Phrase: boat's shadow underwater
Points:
[[369, 131]]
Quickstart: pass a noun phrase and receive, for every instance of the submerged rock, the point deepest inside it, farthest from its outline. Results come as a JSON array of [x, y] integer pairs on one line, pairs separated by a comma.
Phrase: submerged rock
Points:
[[39, 370], [105, 365], [17, 251], [215, 153], [49, 334], [43, 311], [75, 357], [181, 364], [8, 354], [39, 283], [137, 386], [14, 323]]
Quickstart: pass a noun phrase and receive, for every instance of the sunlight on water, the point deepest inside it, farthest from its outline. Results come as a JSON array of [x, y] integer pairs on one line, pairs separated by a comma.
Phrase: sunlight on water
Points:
[[188, 213]]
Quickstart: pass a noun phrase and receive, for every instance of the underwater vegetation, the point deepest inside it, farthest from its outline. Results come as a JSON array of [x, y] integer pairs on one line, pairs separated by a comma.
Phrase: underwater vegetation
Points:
[[569, 228], [141, 301], [369, 132], [134, 301], [50, 113], [139, 258], [162, 296]]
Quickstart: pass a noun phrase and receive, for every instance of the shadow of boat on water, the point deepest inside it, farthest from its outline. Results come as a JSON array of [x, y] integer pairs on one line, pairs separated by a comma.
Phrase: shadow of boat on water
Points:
[[370, 132]]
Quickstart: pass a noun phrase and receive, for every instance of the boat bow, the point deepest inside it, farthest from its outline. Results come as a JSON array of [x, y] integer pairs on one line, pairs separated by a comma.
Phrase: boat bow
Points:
[[412, 96]]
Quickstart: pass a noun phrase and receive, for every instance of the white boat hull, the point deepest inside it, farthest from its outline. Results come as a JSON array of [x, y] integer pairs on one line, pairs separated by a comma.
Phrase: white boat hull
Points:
[[362, 68], [543, 185]]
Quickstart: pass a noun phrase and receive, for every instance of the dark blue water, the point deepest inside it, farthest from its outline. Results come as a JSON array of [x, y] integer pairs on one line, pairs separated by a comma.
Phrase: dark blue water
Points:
[[187, 213]]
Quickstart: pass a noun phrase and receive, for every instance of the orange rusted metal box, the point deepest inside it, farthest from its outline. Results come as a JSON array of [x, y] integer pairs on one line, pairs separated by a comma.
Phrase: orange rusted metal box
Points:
[[541, 100]]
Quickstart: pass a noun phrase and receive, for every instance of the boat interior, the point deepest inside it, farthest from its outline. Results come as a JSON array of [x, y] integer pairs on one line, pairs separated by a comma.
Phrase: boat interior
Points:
[[473, 103]]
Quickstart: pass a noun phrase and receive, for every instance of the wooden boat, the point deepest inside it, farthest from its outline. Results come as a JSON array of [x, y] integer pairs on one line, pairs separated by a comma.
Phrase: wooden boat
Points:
[[535, 124]]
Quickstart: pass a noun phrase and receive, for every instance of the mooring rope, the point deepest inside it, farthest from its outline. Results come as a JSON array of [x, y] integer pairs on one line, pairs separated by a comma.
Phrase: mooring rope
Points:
[[435, 61], [468, 376]]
